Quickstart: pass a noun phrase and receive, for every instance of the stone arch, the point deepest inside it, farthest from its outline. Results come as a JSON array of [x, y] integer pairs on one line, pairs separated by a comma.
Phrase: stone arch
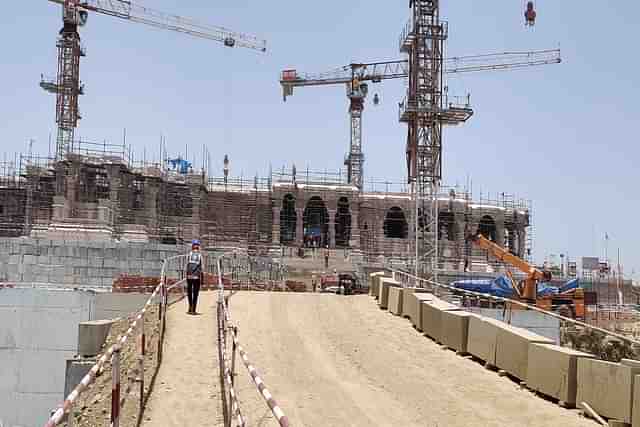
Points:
[[487, 227], [316, 222], [288, 219], [343, 223], [395, 224]]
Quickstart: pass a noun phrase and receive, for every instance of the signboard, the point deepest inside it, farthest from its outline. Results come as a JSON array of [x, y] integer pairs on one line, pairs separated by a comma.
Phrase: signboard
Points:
[[590, 263]]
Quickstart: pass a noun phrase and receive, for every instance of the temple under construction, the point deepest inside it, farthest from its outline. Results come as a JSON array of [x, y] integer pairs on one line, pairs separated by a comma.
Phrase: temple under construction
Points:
[[97, 192]]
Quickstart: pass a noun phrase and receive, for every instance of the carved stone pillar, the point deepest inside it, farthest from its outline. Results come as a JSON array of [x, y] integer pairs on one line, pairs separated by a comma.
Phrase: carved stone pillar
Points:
[[354, 239], [332, 228], [275, 228], [299, 226]]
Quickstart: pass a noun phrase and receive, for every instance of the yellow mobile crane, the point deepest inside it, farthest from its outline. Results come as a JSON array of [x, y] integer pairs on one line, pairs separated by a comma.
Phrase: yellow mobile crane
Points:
[[569, 303]]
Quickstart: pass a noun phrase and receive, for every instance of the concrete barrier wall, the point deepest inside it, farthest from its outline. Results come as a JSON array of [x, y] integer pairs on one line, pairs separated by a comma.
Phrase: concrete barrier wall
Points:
[[607, 387], [512, 349], [383, 297], [395, 300], [432, 317], [414, 310], [83, 264], [571, 377], [373, 283], [553, 371], [38, 333], [408, 301], [532, 321], [455, 330]]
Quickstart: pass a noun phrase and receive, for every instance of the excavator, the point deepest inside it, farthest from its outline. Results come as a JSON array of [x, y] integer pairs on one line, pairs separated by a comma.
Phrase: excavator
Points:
[[569, 303]]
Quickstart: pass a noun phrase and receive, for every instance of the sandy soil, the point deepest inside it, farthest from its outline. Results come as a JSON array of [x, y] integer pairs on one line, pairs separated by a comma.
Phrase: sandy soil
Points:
[[186, 391], [341, 361]]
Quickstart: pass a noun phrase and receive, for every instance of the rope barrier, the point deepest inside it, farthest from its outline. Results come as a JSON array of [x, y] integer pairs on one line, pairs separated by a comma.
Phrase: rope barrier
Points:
[[225, 320], [89, 378], [262, 388]]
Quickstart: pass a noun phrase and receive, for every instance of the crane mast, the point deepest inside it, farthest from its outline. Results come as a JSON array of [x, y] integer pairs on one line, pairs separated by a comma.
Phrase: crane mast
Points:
[[67, 85], [354, 77]]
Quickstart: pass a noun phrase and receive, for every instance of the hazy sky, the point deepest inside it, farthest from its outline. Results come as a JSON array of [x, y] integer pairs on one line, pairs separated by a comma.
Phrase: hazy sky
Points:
[[561, 135]]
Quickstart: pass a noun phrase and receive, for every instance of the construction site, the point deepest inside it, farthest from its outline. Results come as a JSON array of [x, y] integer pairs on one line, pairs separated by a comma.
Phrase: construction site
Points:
[[309, 274]]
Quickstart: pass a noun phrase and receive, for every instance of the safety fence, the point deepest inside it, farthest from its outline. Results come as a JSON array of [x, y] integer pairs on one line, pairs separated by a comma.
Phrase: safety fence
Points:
[[126, 364], [606, 344], [245, 270]]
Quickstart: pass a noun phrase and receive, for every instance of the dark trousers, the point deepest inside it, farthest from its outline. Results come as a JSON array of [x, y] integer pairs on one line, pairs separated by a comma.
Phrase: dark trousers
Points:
[[193, 289]]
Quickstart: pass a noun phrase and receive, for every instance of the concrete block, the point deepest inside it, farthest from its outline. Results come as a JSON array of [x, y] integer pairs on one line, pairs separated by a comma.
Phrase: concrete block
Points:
[[395, 300], [408, 299], [635, 413], [512, 349], [29, 259], [76, 369], [385, 284], [95, 253], [432, 317], [110, 262], [91, 336], [455, 329], [607, 387], [376, 285], [553, 371], [413, 309], [373, 284], [483, 338]]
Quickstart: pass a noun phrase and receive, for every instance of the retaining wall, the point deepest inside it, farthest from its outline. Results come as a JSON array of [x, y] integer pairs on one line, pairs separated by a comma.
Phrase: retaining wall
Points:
[[82, 264], [38, 333]]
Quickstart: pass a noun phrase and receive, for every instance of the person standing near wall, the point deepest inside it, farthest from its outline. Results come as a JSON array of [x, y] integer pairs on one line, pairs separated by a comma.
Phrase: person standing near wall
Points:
[[194, 276]]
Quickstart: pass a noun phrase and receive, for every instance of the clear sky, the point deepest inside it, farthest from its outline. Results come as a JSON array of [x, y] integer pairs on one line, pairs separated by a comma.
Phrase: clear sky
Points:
[[561, 135]]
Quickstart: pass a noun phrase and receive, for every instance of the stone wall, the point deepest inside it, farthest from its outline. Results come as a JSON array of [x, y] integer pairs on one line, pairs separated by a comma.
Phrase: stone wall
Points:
[[81, 264]]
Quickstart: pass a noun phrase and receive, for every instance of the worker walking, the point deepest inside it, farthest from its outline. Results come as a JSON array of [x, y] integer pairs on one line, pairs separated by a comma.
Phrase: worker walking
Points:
[[194, 276]]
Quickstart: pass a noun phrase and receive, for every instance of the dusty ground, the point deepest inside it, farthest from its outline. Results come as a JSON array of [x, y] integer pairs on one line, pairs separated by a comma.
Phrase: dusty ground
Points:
[[341, 361], [93, 408], [186, 391]]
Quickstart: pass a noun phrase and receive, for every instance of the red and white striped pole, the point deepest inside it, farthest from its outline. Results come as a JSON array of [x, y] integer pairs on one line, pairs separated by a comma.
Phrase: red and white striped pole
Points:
[[141, 361], [115, 388], [262, 388]]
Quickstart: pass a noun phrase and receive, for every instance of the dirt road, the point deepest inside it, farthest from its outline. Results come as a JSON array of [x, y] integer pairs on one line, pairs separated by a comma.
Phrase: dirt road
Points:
[[186, 391], [341, 361]]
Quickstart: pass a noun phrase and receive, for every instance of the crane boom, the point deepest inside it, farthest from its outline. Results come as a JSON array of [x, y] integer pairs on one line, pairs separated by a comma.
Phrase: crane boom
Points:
[[354, 77], [387, 70], [529, 290], [130, 11]]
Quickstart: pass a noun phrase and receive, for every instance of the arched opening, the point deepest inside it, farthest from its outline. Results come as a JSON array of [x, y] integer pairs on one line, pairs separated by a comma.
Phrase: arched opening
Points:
[[343, 223], [288, 220], [395, 224], [487, 228], [447, 227], [316, 223]]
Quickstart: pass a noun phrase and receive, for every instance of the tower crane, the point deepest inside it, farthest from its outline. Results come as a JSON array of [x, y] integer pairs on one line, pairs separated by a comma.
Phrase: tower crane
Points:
[[355, 76], [67, 85]]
